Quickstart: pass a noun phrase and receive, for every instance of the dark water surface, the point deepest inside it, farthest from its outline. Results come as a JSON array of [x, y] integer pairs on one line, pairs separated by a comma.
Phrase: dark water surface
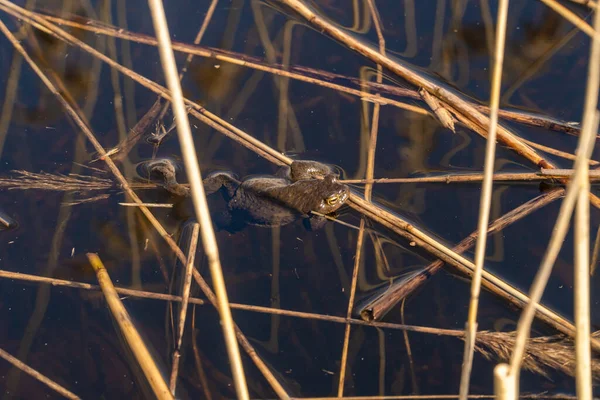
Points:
[[68, 334]]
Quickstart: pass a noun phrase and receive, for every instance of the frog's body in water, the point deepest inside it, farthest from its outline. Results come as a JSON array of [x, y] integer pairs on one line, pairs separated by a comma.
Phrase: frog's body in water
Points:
[[277, 200]]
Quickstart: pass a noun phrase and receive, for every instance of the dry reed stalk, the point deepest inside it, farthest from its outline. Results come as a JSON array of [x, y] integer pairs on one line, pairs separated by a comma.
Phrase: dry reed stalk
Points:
[[584, 151], [463, 110], [555, 152], [443, 115], [185, 296], [485, 200], [133, 338], [192, 169], [544, 174], [308, 75], [41, 24], [581, 289], [149, 205], [380, 306], [504, 385], [36, 375], [368, 191]]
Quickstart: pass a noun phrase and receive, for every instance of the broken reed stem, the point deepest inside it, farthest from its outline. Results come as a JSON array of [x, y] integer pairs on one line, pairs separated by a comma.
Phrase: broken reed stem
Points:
[[584, 151], [581, 290], [302, 74], [192, 169], [185, 296], [485, 200], [133, 338], [37, 375], [382, 304], [41, 24]]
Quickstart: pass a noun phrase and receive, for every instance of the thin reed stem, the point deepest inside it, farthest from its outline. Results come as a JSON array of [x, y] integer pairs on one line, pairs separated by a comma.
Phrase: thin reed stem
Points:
[[133, 338], [584, 151], [485, 200], [185, 296], [36, 375], [192, 168]]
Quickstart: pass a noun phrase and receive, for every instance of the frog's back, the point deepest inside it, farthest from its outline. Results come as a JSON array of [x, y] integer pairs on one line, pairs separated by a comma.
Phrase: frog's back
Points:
[[257, 201]]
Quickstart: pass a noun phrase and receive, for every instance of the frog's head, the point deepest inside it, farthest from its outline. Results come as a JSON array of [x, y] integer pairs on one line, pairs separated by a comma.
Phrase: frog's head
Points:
[[331, 193]]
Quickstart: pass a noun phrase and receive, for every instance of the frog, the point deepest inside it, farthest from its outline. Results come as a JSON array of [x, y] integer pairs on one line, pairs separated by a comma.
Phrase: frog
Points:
[[293, 193]]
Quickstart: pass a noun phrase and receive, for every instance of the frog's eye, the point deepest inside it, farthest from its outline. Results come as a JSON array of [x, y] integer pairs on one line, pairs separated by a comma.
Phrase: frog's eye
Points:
[[333, 199]]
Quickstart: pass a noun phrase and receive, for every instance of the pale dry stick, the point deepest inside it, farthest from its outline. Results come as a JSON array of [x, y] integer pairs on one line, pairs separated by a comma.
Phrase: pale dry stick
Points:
[[544, 174], [463, 109], [443, 115], [36, 375], [252, 62], [555, 152], [42, 24], [584, 151], [133, 338], [581, 290], [150, 205], [571, 17], [192, 169], [185, 296], [387, 219], [504, 387], [485, 200]]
